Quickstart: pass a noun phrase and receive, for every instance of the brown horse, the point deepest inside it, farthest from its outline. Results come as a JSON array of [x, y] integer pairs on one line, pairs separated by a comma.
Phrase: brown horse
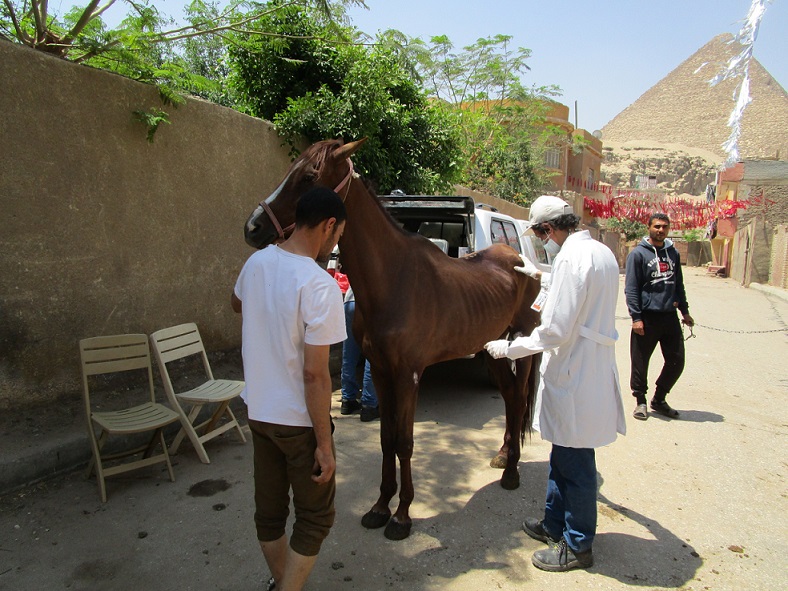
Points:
[[415, 306]]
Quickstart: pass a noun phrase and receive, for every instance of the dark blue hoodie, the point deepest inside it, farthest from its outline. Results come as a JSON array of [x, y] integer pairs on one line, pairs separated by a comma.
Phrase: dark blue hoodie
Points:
[[654, 282]]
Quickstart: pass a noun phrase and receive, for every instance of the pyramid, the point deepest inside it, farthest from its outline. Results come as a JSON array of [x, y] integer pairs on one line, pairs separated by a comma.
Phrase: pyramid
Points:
[[684, 109]]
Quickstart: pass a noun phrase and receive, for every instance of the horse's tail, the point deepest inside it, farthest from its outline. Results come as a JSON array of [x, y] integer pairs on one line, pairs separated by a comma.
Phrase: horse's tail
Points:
[[530, 400]]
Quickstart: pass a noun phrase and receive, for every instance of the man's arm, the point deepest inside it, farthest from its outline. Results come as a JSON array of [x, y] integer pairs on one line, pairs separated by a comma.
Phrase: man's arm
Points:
[[236, 303], [317, 388], [632, 292], [681, 295]]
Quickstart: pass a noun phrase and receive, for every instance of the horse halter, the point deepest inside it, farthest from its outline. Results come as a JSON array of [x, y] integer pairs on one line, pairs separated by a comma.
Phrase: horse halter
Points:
[[280, 231]]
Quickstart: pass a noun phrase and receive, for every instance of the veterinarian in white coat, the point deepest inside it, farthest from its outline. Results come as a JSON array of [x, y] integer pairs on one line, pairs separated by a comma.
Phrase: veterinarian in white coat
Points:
[[579, 404]]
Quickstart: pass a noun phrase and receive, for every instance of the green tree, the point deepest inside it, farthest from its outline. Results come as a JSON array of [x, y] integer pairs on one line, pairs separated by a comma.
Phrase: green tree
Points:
[[81, 35], [147, 46], [631, 229], [503, 124], [313, 87]]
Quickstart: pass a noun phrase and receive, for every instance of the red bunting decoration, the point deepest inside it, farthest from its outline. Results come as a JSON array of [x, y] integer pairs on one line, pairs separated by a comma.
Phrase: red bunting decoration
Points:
[[684, 214]]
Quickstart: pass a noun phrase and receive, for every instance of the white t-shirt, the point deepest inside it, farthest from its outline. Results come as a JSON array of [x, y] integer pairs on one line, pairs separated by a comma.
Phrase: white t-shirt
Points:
[[288, 301]]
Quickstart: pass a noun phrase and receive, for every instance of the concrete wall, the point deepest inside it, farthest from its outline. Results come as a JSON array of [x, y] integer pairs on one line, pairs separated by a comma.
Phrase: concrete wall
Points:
[[778, 274], [103, 232], [590, 158], [752, 253]]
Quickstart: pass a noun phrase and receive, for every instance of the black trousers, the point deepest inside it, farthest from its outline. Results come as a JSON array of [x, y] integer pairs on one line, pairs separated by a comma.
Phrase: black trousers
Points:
[[663, 328]]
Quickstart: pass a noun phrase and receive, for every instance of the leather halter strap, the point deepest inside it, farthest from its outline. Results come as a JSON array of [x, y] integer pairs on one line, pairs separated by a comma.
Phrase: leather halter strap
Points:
[[281, 231]]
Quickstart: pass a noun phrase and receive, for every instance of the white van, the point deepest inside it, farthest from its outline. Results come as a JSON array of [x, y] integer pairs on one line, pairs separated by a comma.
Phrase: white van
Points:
[[456, 224]]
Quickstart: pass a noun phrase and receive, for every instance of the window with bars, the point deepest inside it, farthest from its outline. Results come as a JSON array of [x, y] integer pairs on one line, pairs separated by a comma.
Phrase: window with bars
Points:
[[552, 158]]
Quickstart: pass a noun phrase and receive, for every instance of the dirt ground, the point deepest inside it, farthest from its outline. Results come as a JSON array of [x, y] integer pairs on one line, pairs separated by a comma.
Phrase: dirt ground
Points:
[[694, 504]]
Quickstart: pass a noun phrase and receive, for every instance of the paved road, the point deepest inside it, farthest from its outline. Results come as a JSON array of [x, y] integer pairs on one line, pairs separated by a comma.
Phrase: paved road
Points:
[[696, 504]]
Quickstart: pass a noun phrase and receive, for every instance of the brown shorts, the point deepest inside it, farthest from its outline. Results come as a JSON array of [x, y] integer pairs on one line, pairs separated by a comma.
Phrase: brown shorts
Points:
[[284, 457]]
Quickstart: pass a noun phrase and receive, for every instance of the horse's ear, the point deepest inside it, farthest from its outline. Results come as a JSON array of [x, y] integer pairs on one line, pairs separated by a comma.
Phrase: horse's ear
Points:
[[347, 150]]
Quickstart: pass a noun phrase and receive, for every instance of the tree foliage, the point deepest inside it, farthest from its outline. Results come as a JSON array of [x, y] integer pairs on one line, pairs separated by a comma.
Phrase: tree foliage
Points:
[[310, 86], [503, 124], [631, 229], [434, 115], [80, 34], [147, 45]]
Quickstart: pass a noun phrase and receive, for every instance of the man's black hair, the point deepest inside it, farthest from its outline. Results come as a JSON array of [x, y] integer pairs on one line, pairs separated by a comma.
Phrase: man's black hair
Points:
[[568, 221], [658, 216], [317, 205]]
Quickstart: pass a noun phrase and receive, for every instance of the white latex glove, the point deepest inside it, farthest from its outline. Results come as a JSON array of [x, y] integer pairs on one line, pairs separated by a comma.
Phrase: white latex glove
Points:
[[497, 349], [528, 268]]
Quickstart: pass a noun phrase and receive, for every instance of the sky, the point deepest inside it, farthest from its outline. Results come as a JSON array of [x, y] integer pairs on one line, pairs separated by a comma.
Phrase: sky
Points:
[[603, 54]]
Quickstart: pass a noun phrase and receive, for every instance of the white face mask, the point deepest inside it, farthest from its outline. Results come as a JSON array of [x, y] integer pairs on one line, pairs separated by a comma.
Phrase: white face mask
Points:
[[551, 247]]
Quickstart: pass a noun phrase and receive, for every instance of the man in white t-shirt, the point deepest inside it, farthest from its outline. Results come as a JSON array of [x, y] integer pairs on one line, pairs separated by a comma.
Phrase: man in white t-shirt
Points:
[[292, 314]]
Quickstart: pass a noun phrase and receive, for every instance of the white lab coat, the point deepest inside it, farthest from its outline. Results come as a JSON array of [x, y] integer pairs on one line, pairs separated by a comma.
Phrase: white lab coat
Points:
[[579, 398]]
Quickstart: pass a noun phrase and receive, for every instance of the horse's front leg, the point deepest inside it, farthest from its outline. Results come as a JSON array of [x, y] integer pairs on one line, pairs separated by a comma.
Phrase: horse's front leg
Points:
[[379, 514], [407, 395]]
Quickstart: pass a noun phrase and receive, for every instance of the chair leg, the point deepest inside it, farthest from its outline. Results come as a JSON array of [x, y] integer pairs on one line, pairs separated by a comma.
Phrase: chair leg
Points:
[[154, 441], [237, 424], [97, 445], [216, 416], [187, 429], [95, 461], [160, 433]]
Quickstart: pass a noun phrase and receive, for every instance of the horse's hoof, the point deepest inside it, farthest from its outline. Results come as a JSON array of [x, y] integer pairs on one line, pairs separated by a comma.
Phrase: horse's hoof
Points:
[[375, 520], [499, 462], [396, 530], [510, 481]]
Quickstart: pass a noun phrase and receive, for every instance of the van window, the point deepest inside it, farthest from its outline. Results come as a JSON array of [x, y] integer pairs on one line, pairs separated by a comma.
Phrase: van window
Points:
[[497, 233], [451, 232], [504, 232], [511, 236]]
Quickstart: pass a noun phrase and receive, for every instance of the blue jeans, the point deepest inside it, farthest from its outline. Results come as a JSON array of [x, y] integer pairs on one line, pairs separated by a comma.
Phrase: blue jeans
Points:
[[351, 353], [570, 507]]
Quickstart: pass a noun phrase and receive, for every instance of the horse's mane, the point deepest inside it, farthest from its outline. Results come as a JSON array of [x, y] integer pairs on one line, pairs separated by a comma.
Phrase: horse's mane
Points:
[[316, 155]]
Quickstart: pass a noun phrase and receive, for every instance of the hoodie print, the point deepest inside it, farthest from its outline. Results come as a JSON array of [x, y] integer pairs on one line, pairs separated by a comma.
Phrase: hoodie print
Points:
[[661, 269]]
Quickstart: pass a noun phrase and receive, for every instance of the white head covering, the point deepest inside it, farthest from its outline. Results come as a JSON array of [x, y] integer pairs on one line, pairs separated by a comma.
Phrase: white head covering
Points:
[[546, 208]]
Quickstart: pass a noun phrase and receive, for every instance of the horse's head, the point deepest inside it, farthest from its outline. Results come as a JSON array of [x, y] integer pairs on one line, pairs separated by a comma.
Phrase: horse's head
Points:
[[323, 164]]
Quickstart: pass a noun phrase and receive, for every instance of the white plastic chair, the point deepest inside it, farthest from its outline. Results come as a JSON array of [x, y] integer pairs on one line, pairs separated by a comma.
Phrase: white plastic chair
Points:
[[178, 342], [113, 354]]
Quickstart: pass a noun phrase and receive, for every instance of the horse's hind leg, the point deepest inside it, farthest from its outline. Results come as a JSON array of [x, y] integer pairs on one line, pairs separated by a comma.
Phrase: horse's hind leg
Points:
[[500, 371], [514, 392], [515, 418]]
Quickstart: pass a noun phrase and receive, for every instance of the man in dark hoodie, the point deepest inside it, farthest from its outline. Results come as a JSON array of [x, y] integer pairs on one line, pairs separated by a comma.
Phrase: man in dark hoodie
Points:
[[654, 291]]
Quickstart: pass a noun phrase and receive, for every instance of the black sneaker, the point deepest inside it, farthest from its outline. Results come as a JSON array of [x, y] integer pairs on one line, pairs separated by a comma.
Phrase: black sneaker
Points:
[[561, 558], [369, 413], [663, 408], [349, 407], [535, 529]]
